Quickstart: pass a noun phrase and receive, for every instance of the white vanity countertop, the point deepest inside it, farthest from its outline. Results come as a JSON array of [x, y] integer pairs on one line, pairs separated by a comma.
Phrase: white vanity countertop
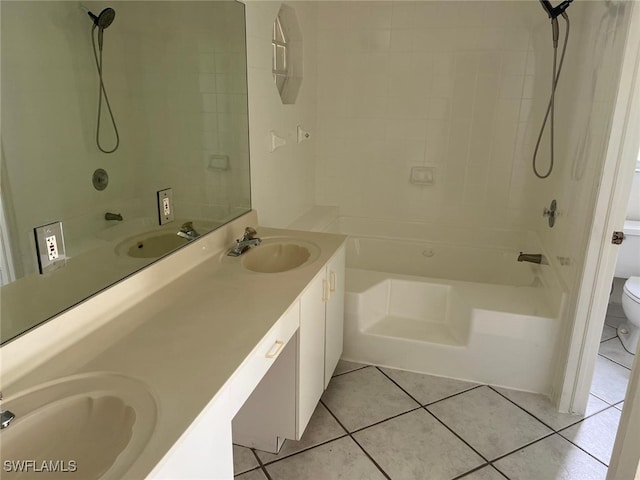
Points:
[[186, 340]]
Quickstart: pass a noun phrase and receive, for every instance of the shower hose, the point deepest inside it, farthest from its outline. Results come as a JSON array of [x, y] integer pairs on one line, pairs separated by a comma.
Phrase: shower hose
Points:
[[550, 113], [102, 92]]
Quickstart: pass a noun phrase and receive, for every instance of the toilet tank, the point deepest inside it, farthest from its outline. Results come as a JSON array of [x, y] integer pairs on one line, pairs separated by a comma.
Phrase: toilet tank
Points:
[[628, 264]]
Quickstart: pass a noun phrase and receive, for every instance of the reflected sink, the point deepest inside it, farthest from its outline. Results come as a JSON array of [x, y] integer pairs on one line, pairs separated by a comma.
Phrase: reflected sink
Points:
[[280, 254], [150, 245], [94, 426]]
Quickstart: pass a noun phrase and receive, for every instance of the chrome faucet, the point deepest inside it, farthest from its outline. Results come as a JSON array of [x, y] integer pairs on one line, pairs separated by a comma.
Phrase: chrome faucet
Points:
[[113, 216], [5, 416], [187, 231], [533, 258], [248, 240]]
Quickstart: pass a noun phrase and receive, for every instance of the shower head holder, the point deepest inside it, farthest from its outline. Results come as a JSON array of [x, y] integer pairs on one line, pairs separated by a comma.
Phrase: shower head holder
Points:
[[559, 9]]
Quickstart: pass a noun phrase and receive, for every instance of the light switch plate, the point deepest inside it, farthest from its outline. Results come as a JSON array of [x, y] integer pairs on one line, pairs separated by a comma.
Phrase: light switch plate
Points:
[[165, 206], [50, 247]]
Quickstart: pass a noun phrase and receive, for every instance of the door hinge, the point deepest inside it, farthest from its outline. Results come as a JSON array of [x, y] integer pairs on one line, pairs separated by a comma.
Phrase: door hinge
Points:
[[617, 238]]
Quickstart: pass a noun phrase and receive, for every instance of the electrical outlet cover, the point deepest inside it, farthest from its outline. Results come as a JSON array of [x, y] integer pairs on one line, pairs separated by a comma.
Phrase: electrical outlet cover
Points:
[[50, 247], [165, 206]]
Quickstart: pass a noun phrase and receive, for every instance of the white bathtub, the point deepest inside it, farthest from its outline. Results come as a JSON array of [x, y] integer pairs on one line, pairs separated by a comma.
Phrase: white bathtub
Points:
[[443, 307]]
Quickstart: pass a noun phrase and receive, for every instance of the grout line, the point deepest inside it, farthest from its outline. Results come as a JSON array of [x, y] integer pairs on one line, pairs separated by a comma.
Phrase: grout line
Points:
[[500, 471], [491, 466], [614, 361], [457, 436], [543, 438], [261, 465], [585, 418], [473, 387], [358, 430], [266, 474], [269, 462], [523, 447], [236, 475], [525, 410], [605, 401], [475, 469], [585, 451], [424, 407], [350, 371], [371, 458], [356, 442]]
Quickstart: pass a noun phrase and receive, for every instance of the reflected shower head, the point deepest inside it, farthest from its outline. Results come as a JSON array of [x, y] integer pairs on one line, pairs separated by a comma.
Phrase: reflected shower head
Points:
[[552, 11], [104, 18]]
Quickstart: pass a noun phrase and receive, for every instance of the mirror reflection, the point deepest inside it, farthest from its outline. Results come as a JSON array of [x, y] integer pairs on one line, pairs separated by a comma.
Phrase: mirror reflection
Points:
[[124, 137]]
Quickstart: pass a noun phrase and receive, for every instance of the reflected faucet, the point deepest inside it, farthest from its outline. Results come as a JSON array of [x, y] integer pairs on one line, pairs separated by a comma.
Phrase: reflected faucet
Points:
[[248, 240], [113, 216], [533, 258], [5, 416], [187, 231]]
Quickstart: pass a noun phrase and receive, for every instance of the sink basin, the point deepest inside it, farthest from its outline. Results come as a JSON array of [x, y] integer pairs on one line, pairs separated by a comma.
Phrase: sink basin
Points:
[[150, 245], [276, 255], [94, 426]]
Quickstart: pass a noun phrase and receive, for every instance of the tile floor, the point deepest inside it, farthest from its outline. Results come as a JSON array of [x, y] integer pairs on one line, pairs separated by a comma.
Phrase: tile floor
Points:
[[379, 423]]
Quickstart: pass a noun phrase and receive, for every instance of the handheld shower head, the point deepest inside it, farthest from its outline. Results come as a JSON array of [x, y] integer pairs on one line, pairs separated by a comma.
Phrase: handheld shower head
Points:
[[104, 18], [102, 21]]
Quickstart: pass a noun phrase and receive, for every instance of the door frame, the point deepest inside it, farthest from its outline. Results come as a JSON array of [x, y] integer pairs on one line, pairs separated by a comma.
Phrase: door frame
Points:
[[600, 260]]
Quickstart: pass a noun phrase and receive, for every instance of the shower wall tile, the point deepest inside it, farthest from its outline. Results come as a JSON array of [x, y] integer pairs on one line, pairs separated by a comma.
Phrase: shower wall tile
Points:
[[444, 89]]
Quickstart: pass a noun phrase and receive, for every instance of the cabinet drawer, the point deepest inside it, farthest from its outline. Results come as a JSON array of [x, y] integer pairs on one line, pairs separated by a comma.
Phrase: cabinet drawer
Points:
[[264, 355]]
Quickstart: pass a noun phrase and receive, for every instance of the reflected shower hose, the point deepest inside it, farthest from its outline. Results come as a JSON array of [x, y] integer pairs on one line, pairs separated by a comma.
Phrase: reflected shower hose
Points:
[[550, 114], [102, 91]]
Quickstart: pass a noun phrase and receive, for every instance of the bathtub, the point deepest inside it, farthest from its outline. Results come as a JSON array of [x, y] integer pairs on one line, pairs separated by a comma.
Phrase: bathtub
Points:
[[433, 302]]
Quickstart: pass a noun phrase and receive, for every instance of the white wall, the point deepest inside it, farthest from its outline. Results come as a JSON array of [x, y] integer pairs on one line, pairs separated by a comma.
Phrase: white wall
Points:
[[633, 211], [282, 182]]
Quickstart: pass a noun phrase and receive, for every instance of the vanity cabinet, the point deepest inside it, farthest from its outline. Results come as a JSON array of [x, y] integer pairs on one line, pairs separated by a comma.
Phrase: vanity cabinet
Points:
[[282, 404], [320, 335]]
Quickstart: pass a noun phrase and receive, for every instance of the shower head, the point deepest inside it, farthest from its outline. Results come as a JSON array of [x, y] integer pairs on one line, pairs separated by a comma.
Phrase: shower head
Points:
[[552, 11], [104, 18]]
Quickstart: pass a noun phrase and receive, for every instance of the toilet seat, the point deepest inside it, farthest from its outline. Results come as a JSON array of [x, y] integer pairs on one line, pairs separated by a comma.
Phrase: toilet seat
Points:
[[632, 288]]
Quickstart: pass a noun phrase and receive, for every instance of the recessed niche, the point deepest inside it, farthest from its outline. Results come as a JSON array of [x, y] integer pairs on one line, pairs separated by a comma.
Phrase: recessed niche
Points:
[[287, 54]]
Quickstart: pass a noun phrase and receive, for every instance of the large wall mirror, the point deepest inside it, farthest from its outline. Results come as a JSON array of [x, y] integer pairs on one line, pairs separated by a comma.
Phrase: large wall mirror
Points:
[[171, 109]]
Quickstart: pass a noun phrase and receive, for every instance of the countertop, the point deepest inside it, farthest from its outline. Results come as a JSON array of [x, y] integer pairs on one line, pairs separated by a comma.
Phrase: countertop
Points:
[[186, 340]]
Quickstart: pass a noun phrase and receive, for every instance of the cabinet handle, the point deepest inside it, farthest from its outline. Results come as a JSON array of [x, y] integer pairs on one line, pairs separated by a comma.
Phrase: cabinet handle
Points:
[[326, 290], [332, 281], [275, 350]]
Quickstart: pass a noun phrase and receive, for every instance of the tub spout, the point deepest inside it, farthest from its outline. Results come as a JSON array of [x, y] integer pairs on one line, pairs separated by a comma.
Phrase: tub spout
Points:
[[533, 258], [113, 216]]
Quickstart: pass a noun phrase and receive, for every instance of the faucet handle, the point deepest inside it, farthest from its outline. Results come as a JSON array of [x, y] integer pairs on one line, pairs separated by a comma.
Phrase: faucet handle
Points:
[[187, 226], [249, 232]]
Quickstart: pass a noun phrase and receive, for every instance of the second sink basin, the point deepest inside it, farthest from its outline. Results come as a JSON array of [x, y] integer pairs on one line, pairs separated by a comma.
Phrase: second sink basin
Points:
[[280, 254], [94, 426], [150, 245]]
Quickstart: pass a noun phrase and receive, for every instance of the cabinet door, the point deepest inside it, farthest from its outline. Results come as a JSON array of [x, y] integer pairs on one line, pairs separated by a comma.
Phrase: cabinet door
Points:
[[311, 350], [334, 313]]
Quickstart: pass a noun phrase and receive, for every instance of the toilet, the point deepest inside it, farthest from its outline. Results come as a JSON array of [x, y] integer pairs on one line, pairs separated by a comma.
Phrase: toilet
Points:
[[628, 266]]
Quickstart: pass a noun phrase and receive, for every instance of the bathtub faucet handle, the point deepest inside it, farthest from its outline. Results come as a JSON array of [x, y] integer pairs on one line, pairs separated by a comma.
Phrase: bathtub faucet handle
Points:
[[551, 212]]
